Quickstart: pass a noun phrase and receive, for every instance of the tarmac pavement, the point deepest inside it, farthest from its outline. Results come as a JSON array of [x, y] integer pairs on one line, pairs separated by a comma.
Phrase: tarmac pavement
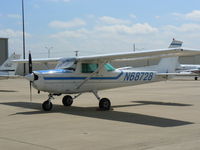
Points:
[[157, 116]]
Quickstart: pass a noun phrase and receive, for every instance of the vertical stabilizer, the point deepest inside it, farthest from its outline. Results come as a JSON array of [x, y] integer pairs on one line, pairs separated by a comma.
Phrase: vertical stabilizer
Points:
[[175, 44], [168, 65]]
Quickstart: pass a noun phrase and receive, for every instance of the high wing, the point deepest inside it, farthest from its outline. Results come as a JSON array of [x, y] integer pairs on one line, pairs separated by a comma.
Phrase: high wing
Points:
[[147, 54], [150, 54]]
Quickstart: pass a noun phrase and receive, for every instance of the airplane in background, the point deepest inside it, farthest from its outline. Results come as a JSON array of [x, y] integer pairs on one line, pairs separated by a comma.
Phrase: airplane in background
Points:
[[94, 73], [7, 69], [185, 68], [189, 68]]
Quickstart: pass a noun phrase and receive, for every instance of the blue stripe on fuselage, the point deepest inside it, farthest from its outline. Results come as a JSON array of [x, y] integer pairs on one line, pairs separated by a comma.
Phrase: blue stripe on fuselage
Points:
[[83, 78], [54, 71]]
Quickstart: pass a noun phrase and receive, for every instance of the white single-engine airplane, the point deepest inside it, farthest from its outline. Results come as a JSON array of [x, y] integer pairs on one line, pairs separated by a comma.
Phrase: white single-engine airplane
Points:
[[93, 73]]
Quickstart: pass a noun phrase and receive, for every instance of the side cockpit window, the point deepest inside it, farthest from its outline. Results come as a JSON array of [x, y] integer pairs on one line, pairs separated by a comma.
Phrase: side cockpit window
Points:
[[89, 67], [92, 67]]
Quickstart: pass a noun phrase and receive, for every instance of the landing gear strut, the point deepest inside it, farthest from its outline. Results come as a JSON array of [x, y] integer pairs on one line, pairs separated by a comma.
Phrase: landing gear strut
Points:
[[104, 103]]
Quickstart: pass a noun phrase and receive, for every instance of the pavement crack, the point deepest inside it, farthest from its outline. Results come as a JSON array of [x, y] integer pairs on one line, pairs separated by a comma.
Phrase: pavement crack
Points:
[[28, 143]]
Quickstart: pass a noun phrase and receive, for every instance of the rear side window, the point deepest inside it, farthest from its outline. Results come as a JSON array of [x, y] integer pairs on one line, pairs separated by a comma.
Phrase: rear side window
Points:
[[89, 67]]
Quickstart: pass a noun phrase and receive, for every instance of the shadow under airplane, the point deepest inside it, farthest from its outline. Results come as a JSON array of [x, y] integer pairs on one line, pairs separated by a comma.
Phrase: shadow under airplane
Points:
[[161, 103], [141, 103], [107, 115]]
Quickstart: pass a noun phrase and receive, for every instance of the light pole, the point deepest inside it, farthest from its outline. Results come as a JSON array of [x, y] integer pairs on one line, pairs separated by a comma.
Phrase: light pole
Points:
[[134, 47], [23, 35], [48, 49]]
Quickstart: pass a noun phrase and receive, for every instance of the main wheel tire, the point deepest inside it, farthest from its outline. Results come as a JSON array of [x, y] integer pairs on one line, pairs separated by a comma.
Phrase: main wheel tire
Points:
[[195, 78], [104, 104], [67, 100], [47, 105]]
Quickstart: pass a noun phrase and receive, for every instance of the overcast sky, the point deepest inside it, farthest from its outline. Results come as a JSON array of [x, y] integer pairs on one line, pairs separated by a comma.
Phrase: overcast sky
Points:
[[99, 26]]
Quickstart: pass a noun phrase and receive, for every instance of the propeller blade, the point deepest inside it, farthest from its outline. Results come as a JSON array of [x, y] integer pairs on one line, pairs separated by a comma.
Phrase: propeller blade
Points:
[[30, 71], [30, 86], [30, 63]]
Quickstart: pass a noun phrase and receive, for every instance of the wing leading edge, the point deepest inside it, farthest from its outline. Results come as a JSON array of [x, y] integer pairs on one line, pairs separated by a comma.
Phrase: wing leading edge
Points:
[[159, 53], [170, 52]]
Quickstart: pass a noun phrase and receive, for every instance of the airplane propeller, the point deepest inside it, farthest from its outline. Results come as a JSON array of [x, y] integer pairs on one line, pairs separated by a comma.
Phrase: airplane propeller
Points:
[[30, 68], [31, 76], [30, 63]]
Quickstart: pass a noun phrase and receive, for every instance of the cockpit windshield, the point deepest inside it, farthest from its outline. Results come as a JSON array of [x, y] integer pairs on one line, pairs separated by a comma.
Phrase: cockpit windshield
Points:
[[67, 63], [109, 67]]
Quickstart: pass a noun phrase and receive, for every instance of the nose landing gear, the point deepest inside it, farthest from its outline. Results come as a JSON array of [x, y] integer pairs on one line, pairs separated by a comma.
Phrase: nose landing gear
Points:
[[47, 105]]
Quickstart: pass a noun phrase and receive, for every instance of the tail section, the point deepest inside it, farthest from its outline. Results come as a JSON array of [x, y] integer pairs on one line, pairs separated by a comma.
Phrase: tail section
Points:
[[175, 44], [8, 65], [168, 65]]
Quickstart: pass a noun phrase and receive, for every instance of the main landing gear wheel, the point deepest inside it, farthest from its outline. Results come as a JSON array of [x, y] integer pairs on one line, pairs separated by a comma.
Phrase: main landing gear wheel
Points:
[[67, 100], [104, 104], [47, 105], [195, 78]]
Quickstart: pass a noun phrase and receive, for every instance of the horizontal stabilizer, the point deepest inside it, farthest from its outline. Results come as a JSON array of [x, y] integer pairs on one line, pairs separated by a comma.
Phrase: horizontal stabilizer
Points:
[[177, 74]]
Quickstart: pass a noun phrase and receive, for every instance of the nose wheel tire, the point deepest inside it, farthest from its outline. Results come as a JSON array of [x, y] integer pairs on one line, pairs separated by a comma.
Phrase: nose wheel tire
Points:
[[67, 100], [47, 105], [104, 104]]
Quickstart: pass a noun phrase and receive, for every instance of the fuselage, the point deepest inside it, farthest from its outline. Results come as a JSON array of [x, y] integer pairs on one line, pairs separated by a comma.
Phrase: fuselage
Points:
[[63, 81]]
